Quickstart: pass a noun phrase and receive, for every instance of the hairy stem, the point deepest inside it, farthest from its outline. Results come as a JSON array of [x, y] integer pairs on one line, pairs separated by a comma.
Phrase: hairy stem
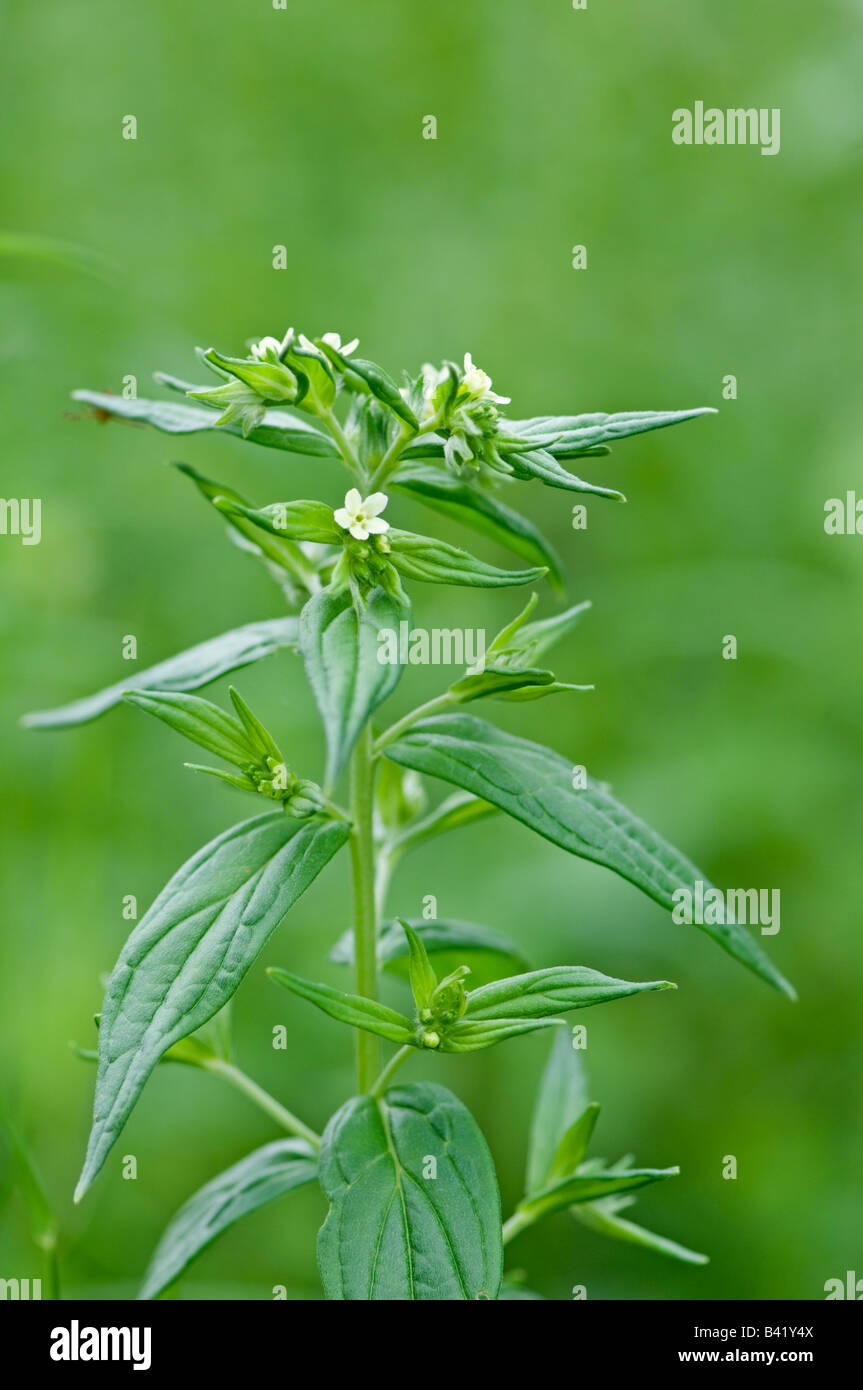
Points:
[[262, 1099], [365, 908]]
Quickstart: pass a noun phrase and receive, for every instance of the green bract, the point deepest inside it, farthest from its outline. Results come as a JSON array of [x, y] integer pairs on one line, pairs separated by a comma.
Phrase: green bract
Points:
[[414, 1209]]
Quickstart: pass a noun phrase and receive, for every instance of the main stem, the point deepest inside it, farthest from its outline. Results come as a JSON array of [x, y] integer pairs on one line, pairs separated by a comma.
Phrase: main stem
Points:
[[365, 911]]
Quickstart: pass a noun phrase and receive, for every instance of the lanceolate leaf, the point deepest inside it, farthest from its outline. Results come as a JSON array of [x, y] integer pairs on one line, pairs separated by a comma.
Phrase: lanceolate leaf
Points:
[[199, 720], [600, 1217], [435, 562], [456, 811], [567, 436], [340, 646], [479, 509], [301, 520], [277, 430], [538, 463], [561, 1098], [256, 1180], [189, 952], [353, 1009], [472, 1035], [543, 993], [534, 785], [399, 1227], [588, 1187], [573, 1146], [187, 671], [280, 549]]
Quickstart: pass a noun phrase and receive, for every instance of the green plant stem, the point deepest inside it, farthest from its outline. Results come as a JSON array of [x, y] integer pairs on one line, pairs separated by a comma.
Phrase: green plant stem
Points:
[[396, 730], [519, 1221], [332, 423], [365, 908], [262, 1099], [390, 460], [391, 1068]]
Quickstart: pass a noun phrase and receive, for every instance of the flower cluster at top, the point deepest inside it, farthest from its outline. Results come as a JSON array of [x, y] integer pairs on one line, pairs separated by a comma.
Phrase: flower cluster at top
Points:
[[453, 405]]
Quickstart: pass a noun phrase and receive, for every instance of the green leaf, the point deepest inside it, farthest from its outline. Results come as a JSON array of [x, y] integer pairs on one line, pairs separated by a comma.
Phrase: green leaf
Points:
[[259, 737], [422, 975], [272, 381], [301, 521], [279, 548], [472, 1035], [436, 562], [503, 682], [489, 953], [392, 1231], [456, 811], [480, 510], [353, 1009], [599, 1217], [258, 1179], [341, 648], [534, 785], [561, 1098], [188, 954], [567, 436], [369, 376], [520, 643], [277, 430], [588, 1187], [198, 720], [573, 1146], [542, 993], [187, 671], [538, 463]]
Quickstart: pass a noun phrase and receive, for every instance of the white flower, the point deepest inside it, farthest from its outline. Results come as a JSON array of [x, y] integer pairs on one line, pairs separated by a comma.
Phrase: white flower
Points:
[[266, 349], [333, 340], [477, 383], [361, 516]]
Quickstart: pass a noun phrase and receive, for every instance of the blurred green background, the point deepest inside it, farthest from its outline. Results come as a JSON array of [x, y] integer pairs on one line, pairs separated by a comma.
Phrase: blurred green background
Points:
[[302, 127]]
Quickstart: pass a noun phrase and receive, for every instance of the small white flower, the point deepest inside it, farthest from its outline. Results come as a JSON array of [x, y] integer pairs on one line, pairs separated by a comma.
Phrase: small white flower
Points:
[[265, 349], [308, 346], [361, 516], [333, 340], [478, 383]]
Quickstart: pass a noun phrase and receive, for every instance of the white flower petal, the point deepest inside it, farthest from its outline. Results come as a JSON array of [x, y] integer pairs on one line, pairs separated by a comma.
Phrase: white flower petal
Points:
[[343, 517], [376, 525], [374, 504], [359, 532], [353, 501]]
